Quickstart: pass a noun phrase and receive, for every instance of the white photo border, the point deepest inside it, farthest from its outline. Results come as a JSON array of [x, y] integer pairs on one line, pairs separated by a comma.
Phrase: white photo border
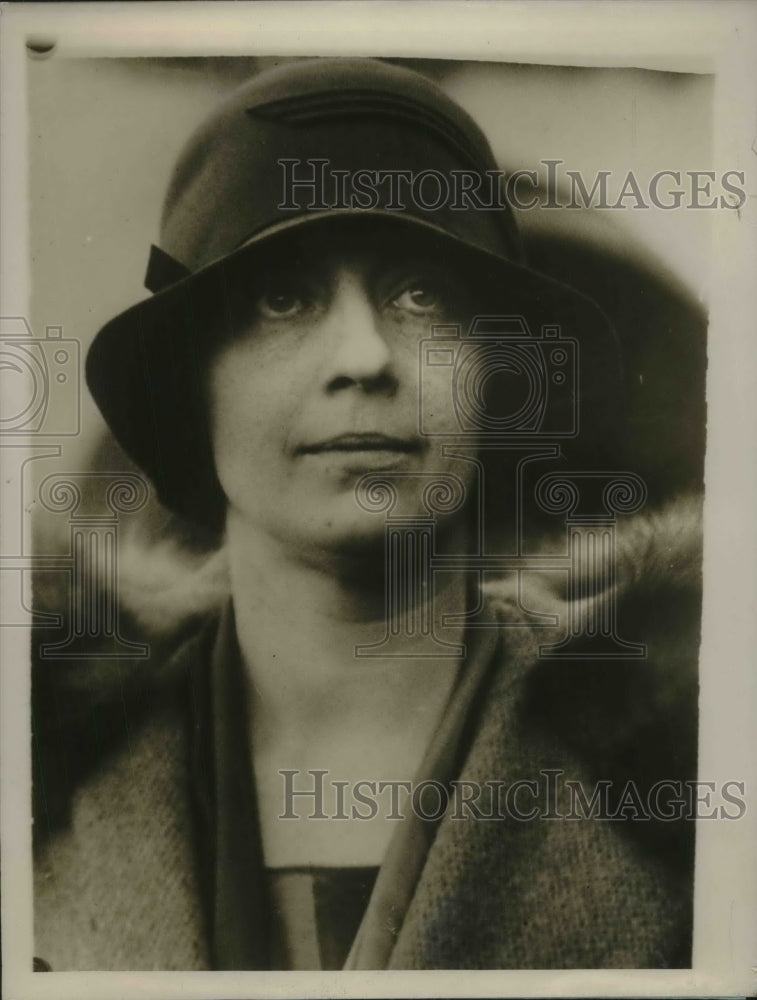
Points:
[[699, 37]]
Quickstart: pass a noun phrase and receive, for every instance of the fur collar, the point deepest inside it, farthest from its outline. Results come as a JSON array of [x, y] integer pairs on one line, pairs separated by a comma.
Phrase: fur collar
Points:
[[166, 593], [163, 587]]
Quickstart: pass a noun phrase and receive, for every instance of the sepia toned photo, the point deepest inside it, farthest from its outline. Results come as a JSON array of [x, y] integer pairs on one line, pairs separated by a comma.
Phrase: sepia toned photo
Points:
[[357, 441]]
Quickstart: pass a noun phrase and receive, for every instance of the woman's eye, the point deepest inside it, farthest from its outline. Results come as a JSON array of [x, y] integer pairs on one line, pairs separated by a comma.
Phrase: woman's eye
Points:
[[419, 298], [281, 303]]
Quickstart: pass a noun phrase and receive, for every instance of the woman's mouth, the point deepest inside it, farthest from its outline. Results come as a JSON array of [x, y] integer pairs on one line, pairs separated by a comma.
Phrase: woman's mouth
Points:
[[355, 454], [368, 442]]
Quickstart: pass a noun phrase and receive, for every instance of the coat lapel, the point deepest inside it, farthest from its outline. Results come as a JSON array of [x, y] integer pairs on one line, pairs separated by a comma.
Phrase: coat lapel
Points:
[[510, 892]]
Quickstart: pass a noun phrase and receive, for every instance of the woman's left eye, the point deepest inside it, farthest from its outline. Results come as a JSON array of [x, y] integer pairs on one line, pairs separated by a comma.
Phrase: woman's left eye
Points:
[[419, 298]]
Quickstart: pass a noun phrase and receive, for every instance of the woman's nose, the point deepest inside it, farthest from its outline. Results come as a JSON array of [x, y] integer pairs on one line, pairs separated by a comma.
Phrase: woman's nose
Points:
[[361, 354]]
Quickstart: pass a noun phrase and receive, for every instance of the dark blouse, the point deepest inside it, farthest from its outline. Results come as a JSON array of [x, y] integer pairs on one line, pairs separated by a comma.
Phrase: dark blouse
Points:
[[315, 914]]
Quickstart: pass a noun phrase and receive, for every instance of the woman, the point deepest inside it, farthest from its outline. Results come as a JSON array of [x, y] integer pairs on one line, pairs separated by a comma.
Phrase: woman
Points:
[[272, 803]]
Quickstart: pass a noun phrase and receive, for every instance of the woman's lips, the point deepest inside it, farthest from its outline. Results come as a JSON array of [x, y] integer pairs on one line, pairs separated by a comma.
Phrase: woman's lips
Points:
[[351, 443]]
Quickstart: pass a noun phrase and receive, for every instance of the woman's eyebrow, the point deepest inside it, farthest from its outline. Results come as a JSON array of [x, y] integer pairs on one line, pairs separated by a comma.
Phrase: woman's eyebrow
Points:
[[417, 268]]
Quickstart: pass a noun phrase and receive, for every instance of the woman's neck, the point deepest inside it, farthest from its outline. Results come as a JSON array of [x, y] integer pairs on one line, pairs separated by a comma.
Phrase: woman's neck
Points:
[[299, 622], [315, 704]]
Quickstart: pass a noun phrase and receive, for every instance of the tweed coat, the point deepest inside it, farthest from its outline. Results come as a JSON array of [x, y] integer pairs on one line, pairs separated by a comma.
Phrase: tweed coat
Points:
[[117, 876]]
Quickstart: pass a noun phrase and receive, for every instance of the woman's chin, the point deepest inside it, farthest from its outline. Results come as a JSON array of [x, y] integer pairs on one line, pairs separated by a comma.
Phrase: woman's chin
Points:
[[351, 534]]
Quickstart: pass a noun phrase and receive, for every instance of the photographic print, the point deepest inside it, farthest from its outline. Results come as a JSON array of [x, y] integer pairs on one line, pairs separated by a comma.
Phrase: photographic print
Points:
[[376, 553]]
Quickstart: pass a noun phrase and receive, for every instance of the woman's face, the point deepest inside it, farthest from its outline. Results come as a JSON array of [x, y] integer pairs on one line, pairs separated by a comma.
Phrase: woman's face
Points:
[[319, 384]]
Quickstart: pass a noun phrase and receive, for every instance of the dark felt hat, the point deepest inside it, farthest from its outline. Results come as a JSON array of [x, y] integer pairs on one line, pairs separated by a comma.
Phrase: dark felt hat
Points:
[[303, 144]]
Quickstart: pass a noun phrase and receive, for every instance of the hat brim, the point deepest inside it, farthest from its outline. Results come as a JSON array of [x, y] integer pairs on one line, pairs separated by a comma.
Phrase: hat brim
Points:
[[147, 367]]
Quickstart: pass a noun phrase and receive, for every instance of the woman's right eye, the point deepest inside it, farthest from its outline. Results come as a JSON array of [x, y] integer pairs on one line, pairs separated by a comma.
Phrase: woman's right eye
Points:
[[281, 303]]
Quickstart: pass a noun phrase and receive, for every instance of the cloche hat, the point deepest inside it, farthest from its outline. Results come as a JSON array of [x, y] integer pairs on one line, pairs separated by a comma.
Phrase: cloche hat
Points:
[[305, 142]]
